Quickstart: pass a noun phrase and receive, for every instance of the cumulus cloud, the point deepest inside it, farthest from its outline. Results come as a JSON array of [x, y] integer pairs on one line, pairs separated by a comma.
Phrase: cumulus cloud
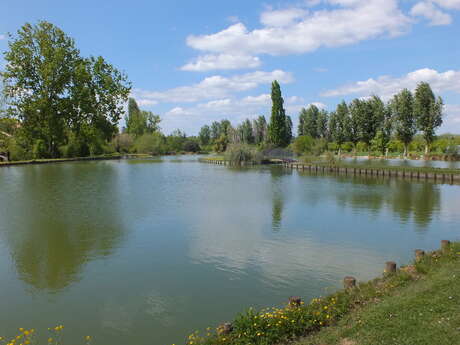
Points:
[[215, 87], [450, 4], [285, 17], [431, 12], [451, 123], [221, 62], [387, 86], [296, 30], [144, 102], [2, 37]]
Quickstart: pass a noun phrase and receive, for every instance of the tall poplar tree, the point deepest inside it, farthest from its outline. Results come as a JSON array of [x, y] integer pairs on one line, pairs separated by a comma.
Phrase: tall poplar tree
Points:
[[427, 112], [402, 107], [277, 133]]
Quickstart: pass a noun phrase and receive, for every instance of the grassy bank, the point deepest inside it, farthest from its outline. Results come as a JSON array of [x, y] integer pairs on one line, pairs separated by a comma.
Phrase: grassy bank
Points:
[[416, 305], [75, 159]]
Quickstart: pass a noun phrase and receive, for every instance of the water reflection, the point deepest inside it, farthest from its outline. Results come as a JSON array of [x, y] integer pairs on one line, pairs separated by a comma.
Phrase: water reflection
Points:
[[408, 200], [60, 218]]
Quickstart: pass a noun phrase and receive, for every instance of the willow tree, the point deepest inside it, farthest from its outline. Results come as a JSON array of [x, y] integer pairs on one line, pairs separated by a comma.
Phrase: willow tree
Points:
[[427, 112]]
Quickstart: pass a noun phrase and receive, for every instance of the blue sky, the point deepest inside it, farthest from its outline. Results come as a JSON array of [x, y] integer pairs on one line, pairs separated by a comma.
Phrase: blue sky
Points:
[[193, 62]]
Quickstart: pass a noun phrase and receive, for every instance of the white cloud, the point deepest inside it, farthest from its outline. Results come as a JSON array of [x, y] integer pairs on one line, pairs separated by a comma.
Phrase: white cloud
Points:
[[285, 17], [221, 62], [295, 30], [143, 102], [386, 86], [215, 87], [320, 70], [2, 37], [451, 123], [451, 4], [234, 109], [428, 10]]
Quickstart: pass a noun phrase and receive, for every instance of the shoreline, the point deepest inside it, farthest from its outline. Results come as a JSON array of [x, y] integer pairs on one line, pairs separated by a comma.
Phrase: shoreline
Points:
[[326, 320]]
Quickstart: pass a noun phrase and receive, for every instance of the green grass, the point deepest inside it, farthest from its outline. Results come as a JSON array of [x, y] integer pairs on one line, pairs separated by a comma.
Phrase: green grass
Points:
[[424, 311], [417, 305]]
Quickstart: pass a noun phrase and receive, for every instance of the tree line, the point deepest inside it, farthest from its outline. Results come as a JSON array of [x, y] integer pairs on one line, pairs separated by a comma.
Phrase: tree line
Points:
[[375, 123], [56, 103]]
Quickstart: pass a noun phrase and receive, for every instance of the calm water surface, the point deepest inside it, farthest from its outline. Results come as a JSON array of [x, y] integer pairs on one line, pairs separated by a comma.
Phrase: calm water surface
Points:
[[145, 252]]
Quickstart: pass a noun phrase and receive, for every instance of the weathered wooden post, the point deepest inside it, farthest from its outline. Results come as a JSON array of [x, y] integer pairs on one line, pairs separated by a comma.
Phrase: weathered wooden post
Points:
[[225, 328], [295, 302], [419, 254], [349, 283], [390, 267], [445, 245]]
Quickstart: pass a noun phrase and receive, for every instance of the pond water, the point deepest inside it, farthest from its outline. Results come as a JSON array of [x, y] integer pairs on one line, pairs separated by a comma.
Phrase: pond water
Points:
[[146, 252]]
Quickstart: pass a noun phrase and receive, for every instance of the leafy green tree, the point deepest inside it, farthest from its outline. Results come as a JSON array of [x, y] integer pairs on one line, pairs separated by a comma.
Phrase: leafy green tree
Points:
[[260, 130], [277, 133], [288, 129], [205, 135], [53, 91], [139, 122], [428, 113], [246, 132], [356, 117], [383, 136], [321, 124], [308, 121], [215, 131], [339, 125], [303, 144], [402, 107]]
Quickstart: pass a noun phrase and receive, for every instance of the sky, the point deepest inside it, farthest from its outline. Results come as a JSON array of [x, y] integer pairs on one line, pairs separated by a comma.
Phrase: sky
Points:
[[195, 62]]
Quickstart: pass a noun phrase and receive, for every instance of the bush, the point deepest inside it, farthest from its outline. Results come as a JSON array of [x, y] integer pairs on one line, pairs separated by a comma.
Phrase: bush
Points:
[[347, 147], [191, 146], [239, 154], [303, 144], [153, 144], [39, 149], [123, 143], [395, 146]]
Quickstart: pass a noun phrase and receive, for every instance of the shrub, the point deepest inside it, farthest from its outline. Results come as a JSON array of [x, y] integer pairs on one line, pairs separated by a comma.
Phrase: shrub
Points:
[[239, 154], [303, 144], [150, 143]]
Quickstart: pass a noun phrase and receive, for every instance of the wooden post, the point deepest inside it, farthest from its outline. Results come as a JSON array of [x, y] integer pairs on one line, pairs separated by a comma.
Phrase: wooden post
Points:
[[390, 267], [419, 254], [225, 328], [295, 301], [349, 282], [445, 245]]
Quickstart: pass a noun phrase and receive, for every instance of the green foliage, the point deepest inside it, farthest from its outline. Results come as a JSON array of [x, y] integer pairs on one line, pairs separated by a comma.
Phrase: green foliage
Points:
[[150, 143], [308, 121], [54, 91], [221, 143], [205, 135], [238, 154], [428, 112], [303, 144], [139, 122], [123, 143], [402, 107], [260, 129], [191, 145], [277, 129]]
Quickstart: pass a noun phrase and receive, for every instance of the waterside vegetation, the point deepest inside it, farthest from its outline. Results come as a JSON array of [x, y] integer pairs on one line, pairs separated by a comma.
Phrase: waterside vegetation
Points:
[[416, 304]]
